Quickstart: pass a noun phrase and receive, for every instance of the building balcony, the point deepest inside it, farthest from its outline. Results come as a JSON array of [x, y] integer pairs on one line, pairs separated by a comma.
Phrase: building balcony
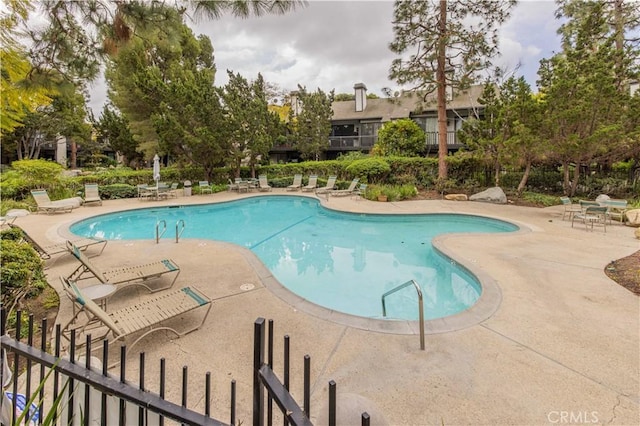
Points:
[[351, 143]]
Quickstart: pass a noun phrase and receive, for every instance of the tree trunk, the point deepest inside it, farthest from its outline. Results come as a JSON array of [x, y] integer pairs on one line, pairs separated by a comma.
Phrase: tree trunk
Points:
[[496, 173], [576, 178], [619, 40], [525, 177], [74, 155], [442, 93], [566, 184]]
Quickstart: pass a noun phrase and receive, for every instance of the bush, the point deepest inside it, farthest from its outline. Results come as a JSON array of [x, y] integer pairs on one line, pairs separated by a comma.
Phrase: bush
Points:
[[393, 192], [22, 273], [117, 191], [9, 204], [403, 137], [370, 170]]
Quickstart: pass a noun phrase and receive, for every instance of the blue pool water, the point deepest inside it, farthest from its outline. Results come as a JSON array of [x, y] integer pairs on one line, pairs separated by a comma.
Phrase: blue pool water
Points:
[[341, 261]]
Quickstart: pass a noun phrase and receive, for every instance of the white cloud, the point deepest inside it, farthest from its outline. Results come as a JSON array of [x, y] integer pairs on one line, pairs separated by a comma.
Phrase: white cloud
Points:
[[336, 44]]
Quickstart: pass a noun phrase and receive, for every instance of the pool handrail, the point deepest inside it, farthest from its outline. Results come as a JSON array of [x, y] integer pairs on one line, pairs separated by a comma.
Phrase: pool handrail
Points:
[[420, 306], [159, 233]]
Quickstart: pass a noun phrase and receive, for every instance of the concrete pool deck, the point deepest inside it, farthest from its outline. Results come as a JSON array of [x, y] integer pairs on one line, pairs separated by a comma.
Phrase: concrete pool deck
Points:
[[561, 346]]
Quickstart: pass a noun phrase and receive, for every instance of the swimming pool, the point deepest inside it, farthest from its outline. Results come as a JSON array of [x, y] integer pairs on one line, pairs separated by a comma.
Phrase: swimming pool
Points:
[[341, 261]]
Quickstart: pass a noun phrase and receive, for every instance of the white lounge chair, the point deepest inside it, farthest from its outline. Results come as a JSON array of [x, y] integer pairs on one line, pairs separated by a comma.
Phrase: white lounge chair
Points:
[[91, 193], [331, 183], [45, 204], [263, 184], [349, 191], [297, 183], [312, 184]]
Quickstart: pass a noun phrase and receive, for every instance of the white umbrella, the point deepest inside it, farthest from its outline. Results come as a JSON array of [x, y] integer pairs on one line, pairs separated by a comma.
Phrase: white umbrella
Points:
[[156, 168]]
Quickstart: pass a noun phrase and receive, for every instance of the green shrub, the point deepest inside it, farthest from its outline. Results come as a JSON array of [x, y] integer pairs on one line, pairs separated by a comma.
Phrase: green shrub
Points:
[[9, 204], [22, 273], [38, 172], [370, 170], [117, 191], [393, 192], [403, 137]]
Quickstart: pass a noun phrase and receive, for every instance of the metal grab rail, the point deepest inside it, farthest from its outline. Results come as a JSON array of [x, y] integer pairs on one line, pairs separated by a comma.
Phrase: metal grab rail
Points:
[[179, 233], [158, 233], [420, 306]]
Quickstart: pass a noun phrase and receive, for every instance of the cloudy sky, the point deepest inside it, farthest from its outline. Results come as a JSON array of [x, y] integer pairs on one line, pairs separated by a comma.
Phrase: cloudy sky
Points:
[[336, 44]]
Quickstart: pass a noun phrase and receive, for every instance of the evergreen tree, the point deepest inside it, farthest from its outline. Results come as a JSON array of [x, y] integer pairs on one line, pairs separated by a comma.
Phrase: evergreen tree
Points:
[[112, 128], [584, 106], [312, 126], [448, 43], [252, 127]]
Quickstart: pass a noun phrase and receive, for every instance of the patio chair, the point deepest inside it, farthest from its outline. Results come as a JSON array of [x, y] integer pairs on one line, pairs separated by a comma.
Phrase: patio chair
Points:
[[361, 191], [616, 209], [331, 183], [144, 192], [205, 187], [232, 186], [593, 215], [343, 192], [48, 251], [45, 204], [173, 190], [584, 204], [569, 208], [145, 317], [263, 184], [91, 193], [313, 183], [297, 183], [126, 275]]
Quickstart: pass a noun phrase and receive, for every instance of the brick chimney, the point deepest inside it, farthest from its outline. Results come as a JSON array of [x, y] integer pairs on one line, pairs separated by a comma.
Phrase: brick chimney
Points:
[[361, 96]]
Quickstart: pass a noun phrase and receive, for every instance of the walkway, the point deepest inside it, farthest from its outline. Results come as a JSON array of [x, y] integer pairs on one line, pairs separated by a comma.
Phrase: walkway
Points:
[[562, 345]]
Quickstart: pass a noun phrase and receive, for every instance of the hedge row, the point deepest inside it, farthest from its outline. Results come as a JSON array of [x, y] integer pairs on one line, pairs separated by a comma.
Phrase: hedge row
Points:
[[466, 174]]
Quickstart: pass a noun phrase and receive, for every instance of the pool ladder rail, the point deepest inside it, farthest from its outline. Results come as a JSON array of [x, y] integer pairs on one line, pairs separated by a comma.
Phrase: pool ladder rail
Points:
[[179, 229], [420, 306]]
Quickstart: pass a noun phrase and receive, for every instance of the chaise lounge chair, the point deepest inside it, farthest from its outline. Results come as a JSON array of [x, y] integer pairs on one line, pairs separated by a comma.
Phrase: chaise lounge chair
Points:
[[45, 204], [133, 275], [263, 184], [331, 183], [91, 193], [348, 191], [313, 183], [46, 252], [147, 317], [297, 183]]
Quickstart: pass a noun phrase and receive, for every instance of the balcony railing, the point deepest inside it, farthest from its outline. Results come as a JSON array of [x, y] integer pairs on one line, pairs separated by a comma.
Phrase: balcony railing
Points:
[[352, 142], [366, 142], [452, 139]]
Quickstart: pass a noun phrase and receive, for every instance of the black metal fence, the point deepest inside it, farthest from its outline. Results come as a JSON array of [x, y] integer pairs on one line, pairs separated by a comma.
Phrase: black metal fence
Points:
[[64, 391]]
